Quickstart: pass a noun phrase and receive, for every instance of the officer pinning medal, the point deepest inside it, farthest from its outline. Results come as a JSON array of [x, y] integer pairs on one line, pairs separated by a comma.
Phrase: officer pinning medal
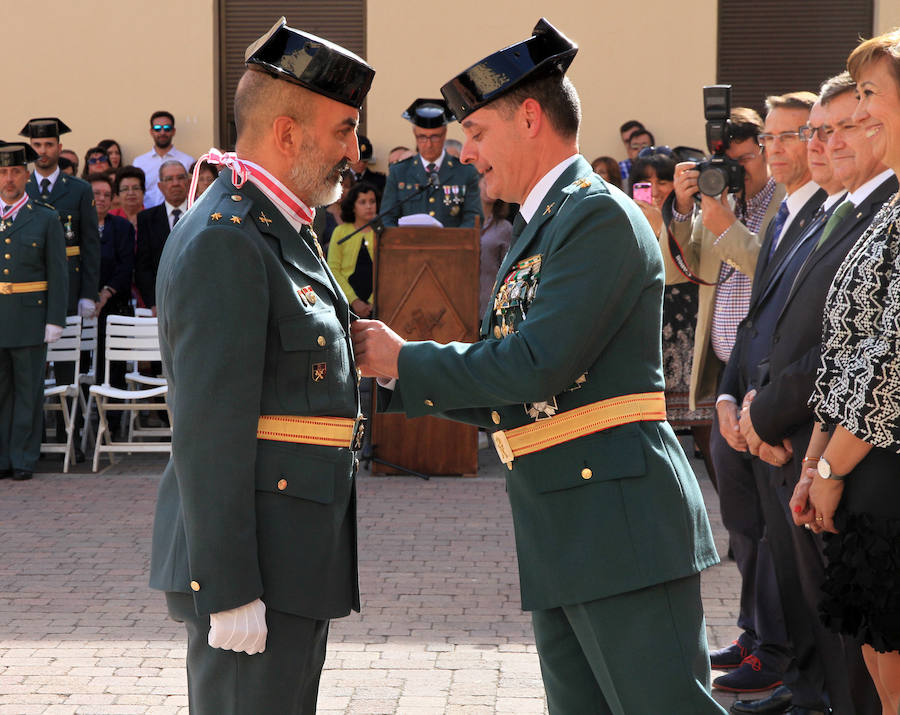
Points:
[[611, 530], [254, 540]]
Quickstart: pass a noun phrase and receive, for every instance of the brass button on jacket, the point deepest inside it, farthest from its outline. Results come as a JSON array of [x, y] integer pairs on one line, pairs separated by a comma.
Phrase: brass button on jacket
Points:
[[586, 473], [282, 484], [495, 417], [321, 341], [195, 586], [429, 403]]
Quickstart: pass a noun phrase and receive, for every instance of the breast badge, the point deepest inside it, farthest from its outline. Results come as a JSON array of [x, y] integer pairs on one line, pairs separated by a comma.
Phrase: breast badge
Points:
[[515, 294], [319, 370]]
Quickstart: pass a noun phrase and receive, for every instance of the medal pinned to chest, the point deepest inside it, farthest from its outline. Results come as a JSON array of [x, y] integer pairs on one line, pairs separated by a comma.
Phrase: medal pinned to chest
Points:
[[515, 294], [454, 197], [67, 226]]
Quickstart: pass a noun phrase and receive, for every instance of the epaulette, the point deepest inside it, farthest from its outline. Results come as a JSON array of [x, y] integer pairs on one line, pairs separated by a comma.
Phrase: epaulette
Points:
[[231, 210]]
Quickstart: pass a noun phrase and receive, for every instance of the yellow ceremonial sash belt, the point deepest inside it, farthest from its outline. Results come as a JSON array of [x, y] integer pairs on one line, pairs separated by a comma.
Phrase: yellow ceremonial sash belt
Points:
[[73, 251], [580, 422], [29, 287], [324, 431]]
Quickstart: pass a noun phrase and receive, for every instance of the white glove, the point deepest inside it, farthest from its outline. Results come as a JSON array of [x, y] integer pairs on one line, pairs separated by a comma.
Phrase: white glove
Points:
[[52, 333], [241, 629], [86, 308]]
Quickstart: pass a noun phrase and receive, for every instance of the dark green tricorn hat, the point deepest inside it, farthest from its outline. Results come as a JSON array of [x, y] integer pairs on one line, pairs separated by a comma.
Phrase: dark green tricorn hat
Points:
[[546, 52], [44, 127], [16, 154], [312, 62], [428, 113]]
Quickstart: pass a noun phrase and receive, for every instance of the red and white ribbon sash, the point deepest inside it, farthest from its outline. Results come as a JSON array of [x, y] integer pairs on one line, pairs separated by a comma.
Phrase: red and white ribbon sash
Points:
[[241, 171], [14, 208]]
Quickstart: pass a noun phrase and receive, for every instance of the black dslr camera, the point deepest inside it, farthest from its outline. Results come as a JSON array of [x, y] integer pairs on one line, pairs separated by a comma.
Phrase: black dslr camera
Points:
[[718, 173]]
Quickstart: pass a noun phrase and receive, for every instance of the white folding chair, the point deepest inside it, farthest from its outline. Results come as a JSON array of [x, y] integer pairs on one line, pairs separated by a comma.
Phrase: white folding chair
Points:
[[66, 349], [129, 339], [143, 313], [88, 344]]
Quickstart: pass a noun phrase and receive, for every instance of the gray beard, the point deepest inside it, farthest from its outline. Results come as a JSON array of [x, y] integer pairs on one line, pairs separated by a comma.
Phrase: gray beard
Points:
[[314, 184]]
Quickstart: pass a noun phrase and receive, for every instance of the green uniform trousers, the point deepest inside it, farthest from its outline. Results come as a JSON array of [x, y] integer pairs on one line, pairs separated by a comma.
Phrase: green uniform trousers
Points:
[[21, 406], [282, 680], [631, 654]]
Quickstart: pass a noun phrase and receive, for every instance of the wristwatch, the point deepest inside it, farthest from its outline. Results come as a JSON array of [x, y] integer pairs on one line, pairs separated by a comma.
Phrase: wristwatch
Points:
[[825, 472]]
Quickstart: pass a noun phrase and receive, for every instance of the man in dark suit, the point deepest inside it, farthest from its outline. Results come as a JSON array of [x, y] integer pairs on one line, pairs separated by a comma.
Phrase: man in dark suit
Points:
[[568, 376], [33, 289], [154, 225], [431, 182], [779, 414], [254, 539]]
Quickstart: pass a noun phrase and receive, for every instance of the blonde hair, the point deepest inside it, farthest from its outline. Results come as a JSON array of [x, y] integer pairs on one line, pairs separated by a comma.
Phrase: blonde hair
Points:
[[869, 51]]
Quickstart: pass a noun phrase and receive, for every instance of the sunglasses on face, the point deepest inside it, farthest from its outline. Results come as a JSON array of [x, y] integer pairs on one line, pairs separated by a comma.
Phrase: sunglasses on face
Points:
[[649, 151], [98, 160], [163, 127]]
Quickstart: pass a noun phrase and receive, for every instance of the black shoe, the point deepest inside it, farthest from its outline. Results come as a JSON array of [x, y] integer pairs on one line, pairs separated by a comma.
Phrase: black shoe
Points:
[[6, 473], [731, 656], [751, 677], [21, 475], [777, 702]]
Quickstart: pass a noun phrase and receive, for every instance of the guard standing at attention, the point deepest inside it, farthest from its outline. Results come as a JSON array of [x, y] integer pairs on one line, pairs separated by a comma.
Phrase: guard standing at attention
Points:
[[254, 540], [33, 287], [73, 200], [611, 532], [432, 182]]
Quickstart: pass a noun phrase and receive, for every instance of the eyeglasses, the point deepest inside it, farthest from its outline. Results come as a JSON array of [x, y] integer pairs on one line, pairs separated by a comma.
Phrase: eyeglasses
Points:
[[750, 156], [425, 139], [651, 150], [163, 127], [168, 179], [767, 140], [808, 131], [98, 160]]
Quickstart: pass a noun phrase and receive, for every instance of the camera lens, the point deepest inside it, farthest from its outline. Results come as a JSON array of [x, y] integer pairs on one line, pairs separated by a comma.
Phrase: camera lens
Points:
[[712, 181]]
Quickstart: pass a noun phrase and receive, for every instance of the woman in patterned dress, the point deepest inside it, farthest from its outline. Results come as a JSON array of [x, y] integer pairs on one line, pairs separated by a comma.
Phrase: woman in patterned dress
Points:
[[852, 486]]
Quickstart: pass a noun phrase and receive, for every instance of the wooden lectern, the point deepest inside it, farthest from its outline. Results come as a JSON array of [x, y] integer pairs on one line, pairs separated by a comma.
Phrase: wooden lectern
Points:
[[426, 288]]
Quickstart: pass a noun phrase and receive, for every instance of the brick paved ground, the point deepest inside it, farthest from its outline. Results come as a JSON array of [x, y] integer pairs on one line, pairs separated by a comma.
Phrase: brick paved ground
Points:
[[441, 629]]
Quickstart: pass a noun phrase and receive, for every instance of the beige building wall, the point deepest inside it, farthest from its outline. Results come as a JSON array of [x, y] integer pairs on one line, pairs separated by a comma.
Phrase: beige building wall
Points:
[[104, 66], [618, 76], [887, 15]]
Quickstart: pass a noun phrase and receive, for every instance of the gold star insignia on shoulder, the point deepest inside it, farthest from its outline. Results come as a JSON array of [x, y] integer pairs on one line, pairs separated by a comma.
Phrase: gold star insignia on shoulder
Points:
[[548, 208], [235, 219], [215, 216], [264, 219], [582, 183]]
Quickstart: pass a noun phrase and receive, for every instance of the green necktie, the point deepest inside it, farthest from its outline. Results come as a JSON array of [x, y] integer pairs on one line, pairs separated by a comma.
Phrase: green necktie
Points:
[[833, 221]]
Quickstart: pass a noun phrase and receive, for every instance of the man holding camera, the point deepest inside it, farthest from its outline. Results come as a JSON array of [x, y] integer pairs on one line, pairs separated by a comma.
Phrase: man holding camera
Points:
[[720, 244]]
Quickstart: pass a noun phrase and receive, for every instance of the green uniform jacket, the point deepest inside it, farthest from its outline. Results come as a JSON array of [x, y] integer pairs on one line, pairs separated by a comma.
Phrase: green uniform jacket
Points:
[[239, 518], [73, 200], [32, 250], [588, 273], [455, 203]]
